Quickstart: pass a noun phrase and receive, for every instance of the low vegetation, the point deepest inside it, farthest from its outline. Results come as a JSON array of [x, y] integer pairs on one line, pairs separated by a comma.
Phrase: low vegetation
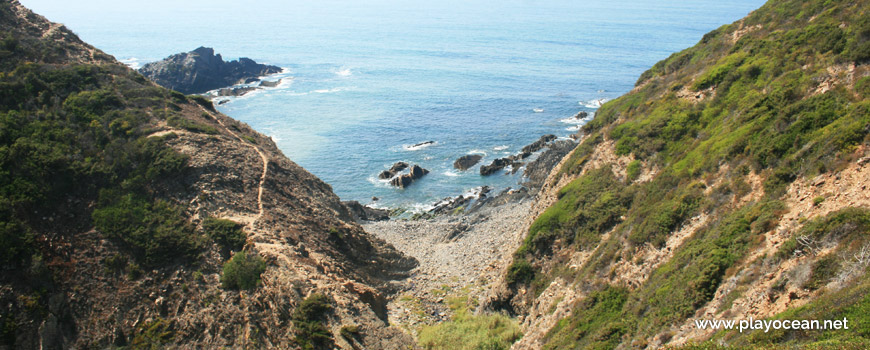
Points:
[[242, 271], [309, 322], [466, 331]]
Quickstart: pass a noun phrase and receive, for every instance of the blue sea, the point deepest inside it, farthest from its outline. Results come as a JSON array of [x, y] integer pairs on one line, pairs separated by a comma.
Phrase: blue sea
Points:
[[365, 80]]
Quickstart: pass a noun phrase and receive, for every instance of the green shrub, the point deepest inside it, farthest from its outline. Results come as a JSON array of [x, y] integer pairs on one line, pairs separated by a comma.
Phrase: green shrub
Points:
[[466, 331], [156, 232], [308, 320], [184, 123], [823, 271], [229, 234], [349, 331], [596, 322], [153, 335], [242, 271], [520, 271], [633, 170]]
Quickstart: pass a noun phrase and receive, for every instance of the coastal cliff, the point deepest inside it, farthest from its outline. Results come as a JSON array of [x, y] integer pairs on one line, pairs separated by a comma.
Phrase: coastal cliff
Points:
[[202, 70], [135, 216]]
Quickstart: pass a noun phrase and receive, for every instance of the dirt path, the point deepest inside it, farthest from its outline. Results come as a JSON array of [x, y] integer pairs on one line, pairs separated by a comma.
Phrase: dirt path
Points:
[[261, 186]]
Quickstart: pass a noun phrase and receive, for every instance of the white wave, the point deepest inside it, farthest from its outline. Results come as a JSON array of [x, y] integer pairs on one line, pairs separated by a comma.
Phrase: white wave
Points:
[[593, 103], [131, 62], [419, 146], [344, 72], [451, 173], [573, 128], [538, 110], [477, 151], [328, 91], [573, 120], [285, 82], [500, 148]]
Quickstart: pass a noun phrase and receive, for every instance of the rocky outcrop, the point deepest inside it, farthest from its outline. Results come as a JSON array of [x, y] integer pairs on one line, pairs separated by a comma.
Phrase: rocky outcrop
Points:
[[393, 171], [538, 170], [404, 180], [202, 70], [236, 91], [467, 161], [266, 83], [496, 165], [361, 212], [538, 145]]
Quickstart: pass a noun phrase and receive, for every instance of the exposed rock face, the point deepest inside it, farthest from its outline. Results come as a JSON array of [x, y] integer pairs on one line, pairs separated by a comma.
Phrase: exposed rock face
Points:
[[581, 115], [538, 145], [538, 170], [365, 213], [467, 161], [201, 70]]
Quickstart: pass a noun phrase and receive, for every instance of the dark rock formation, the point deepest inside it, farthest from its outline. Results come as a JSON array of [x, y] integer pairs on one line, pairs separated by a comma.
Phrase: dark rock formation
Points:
[[201, 70], [538, 145], [425, 143], [581, 115], [404, 180], [394, 170], [237, 91], [538, 170], [499, 164], [361, 212], [275, 83], [467, 161], [417, 172]]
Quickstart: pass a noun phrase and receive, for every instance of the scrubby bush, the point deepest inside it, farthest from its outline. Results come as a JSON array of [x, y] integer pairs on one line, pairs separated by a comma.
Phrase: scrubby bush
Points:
[[242, 271], [227, 233], [468, 331], [308, 321]]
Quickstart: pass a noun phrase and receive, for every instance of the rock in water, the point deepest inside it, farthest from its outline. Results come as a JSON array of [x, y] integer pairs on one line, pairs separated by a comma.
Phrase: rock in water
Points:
[[496, 165], [270, 83], [467, 161], [201, 70], [394, 170], [537, 145], [402, 181], [417, 172]]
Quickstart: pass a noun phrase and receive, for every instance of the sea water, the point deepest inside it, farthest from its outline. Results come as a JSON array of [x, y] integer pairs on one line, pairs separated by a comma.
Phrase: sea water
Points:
[[367, 80]]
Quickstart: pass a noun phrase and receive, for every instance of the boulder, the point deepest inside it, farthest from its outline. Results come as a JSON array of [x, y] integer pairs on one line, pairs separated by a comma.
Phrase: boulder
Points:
[[417, 172], [581, 115], [237, 91], [402, 181], [467, 161]]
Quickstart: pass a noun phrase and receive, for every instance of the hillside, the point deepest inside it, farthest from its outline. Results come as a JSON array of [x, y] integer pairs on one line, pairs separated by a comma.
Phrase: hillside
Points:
[[730, 183], [133, 215]]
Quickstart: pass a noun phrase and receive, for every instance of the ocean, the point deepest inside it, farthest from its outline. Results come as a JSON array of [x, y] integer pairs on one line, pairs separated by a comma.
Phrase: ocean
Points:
[[365, 80]]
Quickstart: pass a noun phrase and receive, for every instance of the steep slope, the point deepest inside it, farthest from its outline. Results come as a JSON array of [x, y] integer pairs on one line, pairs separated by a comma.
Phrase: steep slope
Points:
[[132, 215], [730, 183]]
